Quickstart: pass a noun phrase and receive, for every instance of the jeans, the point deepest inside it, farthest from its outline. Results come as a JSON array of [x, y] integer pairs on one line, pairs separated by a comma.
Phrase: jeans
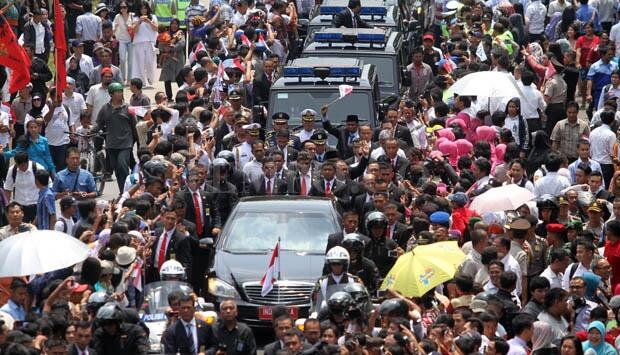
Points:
[[125, 51], [120, 160], [59, 156]]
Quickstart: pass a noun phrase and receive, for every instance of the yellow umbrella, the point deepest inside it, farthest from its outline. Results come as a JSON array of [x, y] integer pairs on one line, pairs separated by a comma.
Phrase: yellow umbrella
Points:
[[423, 268]]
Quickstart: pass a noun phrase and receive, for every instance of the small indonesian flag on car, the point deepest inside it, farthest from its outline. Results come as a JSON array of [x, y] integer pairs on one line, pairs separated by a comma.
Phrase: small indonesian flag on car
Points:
[[272, 271], [345, 90]]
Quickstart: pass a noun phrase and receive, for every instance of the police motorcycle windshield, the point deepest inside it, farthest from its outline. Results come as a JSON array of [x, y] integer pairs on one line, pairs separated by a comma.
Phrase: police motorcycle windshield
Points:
[[156, 294]]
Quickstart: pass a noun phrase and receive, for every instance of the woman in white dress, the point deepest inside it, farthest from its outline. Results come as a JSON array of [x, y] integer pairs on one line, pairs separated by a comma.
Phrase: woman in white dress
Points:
[[123, 21], [145, 36]]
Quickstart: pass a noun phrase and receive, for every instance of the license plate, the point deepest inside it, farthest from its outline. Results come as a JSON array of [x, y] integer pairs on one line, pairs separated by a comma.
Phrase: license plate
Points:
[[264, 312]]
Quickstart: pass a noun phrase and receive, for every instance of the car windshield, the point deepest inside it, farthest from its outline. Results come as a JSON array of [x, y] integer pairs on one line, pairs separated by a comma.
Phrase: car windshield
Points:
[[385, 69], [293, 102], [299, 231]]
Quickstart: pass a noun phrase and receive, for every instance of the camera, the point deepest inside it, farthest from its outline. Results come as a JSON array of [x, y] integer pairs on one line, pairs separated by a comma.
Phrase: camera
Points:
[[578, 302], [222, 347], [392, 253]]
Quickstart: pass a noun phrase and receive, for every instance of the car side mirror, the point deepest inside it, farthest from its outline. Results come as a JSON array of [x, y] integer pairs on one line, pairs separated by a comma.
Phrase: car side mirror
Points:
[[413, 26], [205, 242], [405, 77]]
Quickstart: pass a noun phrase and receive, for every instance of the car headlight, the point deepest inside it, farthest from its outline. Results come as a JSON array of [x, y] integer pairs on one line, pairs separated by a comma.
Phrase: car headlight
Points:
[[221, 288]]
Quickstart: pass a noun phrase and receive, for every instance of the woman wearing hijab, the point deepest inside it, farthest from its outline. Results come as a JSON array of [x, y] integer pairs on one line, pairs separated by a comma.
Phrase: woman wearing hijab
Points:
[[516, 123], [542, 337], [39, 108], [596, 340]]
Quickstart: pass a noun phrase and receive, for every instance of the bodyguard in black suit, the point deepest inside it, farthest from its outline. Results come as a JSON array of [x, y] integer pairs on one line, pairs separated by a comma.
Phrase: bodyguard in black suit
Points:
[[83, 337], [284, 144], [350, 17], [177, 244], [268, 180], [227, 125], [208, 219], [187, 335]]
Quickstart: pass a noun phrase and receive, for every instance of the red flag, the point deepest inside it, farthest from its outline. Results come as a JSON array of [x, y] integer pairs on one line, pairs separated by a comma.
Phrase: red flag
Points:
[[272, 272], [13, 56], [61, 50]]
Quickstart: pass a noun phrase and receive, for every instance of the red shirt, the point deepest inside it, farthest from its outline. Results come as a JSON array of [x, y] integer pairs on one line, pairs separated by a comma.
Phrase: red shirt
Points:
[[585, 45], [612, 254]]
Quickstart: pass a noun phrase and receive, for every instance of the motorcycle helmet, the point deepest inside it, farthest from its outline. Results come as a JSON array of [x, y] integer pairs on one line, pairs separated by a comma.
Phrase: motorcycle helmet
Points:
[[547, 201], [337, 255], [172, 270], [353, 242], [360, 295], [339, 303], [376, 219], [155, 168], [220, 163], [394, 308], [110, 311], [227, 155], [115, 87], [96, 300]]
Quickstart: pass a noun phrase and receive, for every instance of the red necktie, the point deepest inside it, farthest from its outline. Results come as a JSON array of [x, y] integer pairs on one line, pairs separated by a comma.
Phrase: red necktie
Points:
[[162, 251], [198, 214], [388, 233], [304, 188], [269, 187], [328, 189]]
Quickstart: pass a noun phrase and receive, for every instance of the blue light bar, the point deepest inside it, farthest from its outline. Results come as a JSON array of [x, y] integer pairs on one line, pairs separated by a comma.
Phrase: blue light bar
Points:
[[374, 10], [331, 10], [365, 37], [308, 72], [298, 72]]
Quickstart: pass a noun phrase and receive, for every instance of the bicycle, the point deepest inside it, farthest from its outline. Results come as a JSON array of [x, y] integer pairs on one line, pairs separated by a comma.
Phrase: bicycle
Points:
[[91, 159]]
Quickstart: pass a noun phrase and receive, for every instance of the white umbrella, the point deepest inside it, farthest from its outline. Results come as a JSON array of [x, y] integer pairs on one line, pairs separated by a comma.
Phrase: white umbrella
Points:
[[38, 252], [487, 84], [503, 198]]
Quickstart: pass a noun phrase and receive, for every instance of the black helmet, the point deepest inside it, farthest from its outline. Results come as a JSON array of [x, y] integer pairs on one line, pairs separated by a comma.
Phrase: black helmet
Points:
[[155, 168], [220, 163], [394, 308], [360, 296], [376, 218], [339, 303], [547, 201], [110, 311], [96, 300], [228, 155], [353, 241]]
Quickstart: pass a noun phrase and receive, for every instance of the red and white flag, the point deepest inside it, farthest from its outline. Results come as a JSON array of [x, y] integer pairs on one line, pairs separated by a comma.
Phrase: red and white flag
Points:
[[139, 111], [345, 90], [199, 47], [272, 271]]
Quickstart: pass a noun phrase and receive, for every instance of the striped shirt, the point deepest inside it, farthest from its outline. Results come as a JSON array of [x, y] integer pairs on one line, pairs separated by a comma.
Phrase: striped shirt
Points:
[[192, 11]]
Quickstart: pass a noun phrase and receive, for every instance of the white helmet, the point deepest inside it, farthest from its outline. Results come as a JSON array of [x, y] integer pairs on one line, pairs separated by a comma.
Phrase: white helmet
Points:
[[337, 255], [171, 269]]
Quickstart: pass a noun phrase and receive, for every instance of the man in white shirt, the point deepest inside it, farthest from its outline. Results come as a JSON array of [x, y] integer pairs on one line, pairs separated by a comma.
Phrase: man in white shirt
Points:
[[552, 183], [20, 186], [602, 145], [502, 244], [98, 95], [65, 223], [557, 6], [535, 20], [74, 101], [554, 272], [584, 255], [253, 170], [85, 62], [241, 15], [614, 36], [523, 328], [555, 310]]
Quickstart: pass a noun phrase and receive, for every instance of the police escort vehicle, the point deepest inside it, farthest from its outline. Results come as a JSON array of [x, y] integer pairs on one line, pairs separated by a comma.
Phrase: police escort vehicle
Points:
[[374, 12], [382, 48]]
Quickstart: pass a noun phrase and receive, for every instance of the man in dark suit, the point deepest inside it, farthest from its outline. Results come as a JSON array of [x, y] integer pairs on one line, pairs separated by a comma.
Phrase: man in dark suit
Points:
[[262, 83], [31, 37], [268, 184], [187, 335], [345, 135], [170, 240], [281, 326], [283, 144], [391, 123], [350, 17], [300, 180], [328, 186], [397, 231], [83, 337], [281, 170], [399, 164], [350, 222], [227, 125]]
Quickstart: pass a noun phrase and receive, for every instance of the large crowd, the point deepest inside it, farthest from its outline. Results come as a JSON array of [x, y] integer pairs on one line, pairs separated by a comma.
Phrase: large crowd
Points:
[[540, 278]]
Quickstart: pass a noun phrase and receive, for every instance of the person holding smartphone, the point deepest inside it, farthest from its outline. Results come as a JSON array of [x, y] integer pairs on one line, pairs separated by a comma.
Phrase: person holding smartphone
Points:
[[15, 215]]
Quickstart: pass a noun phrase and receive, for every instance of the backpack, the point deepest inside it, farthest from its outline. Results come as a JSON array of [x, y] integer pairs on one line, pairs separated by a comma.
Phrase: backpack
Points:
[[550, 29], [14, 174], [64, 225]]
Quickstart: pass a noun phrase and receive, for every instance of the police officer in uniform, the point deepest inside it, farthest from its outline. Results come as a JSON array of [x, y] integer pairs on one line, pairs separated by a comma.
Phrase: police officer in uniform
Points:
[[234, 97], [307, 123], [280, 122], [381, 250], [113, 336], [232, 138], [337, 260], [234, 176], [243, 151], [361, 266]]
